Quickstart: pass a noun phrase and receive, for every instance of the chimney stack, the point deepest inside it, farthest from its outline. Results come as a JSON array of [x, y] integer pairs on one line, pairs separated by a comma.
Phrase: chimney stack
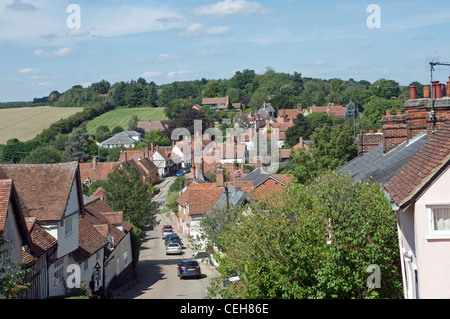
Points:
[[394, 130], [94, 162], [448, 88]]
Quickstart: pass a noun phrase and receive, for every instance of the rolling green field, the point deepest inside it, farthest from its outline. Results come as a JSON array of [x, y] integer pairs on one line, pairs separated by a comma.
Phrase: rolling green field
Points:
[[26, 122], [121, 117]]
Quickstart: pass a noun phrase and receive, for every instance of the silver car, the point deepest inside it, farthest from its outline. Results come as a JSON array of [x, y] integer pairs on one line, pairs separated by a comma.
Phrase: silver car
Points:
[[173, 248]]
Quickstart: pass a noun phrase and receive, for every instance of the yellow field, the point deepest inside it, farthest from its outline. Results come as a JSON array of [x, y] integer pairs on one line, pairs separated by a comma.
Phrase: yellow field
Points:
[[27, 122]]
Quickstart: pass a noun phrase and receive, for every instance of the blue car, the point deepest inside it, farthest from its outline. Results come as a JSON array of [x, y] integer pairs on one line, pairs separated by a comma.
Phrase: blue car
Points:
[[189, 268], [180, 173]]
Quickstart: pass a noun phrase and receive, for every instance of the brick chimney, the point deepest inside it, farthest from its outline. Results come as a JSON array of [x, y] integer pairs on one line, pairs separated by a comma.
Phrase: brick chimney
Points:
[[368, 141], [394, 131], [219, 177]]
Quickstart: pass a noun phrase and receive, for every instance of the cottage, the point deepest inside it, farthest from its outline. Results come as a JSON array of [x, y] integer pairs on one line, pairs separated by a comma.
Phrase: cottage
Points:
[[217, 103], [125, 138], [52, 196]]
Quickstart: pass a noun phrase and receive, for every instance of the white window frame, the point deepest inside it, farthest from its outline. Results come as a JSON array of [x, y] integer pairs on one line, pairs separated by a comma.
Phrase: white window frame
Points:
[[432, 232]]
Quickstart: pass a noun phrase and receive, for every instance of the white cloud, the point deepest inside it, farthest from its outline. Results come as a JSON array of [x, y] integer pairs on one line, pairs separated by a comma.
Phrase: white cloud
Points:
[[231, 7], [172, 74], [198, 29], [27, 70], [218, 30], [44, 84], [52, 54], [150, 74]]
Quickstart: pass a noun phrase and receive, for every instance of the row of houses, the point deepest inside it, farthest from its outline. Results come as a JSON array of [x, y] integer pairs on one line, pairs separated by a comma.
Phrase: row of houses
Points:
[[237, 188], [410, 158], [53, 229]]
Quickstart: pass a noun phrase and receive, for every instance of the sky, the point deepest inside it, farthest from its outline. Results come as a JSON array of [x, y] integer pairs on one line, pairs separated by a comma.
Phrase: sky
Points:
[[52, 45]]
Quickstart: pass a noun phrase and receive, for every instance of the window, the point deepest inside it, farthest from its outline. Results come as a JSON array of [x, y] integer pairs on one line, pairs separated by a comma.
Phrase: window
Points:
[[68, 226], [125, 257], [58, 272], [439, 221]]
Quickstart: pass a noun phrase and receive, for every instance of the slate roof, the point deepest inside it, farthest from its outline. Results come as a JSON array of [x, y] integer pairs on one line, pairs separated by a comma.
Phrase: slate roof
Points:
[[235, 197], [421, 169], [379, 167], [258, 176], [154, 125], [118, 140], [43, 188]]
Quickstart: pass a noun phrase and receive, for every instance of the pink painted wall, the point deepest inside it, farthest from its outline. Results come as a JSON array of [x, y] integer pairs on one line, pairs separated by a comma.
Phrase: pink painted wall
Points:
[[433, 255]]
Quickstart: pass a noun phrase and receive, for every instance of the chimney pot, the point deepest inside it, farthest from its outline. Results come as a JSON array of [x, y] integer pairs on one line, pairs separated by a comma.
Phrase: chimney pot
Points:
[[388, 113], [362, 132], [399, 112], [426, 91], [371, 131], [412, 92]]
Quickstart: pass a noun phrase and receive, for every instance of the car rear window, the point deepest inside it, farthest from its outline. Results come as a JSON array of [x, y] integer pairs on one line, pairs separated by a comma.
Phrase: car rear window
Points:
[[173, 245], [190, 263]]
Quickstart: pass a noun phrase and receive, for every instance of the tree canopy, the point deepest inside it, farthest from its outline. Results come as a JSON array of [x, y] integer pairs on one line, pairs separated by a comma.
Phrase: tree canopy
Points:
[[314, 241]]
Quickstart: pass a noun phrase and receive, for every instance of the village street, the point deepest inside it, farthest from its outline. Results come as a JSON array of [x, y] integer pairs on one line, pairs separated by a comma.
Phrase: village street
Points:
[[157, 273]]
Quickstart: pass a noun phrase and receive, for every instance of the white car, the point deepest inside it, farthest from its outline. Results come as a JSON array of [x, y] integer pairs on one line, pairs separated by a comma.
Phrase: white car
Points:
[[173, 248]]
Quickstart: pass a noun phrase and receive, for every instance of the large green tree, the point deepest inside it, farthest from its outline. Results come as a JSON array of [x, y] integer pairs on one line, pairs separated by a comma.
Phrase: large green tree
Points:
[[332, 146], [126, 192], [76, 147], [316, 241]]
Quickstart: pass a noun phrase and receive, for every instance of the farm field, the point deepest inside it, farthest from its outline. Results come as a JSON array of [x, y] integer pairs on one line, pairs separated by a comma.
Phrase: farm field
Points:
[[27, 122], [121, 117]]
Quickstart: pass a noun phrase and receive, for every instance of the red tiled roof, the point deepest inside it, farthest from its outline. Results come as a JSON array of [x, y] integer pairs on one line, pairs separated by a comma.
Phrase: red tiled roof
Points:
[[333, 110], [44, 188], [90, 241], [100, 215], [421, 168], [5, 194], [96, 172], [200, 197]]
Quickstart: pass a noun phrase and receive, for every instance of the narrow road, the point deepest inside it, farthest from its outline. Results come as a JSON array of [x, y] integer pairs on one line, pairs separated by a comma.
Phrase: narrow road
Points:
[[157, 273]]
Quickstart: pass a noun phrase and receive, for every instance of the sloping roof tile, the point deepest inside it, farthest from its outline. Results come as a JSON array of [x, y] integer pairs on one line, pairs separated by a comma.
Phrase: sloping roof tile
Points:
[[379, 167], [421, 168], [44, 188]]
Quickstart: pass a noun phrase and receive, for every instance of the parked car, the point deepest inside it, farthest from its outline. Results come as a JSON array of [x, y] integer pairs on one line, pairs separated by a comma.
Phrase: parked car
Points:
[[189, 268], [180, 173], [173, 248], [174, 238], [167, 230]]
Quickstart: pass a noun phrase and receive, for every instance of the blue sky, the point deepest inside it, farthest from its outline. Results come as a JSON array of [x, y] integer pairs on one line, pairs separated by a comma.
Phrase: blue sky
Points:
[[166, 41]]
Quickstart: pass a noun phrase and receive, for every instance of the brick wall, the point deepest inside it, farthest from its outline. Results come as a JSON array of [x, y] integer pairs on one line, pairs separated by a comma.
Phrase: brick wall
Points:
[[367, 141], [394, 131]]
